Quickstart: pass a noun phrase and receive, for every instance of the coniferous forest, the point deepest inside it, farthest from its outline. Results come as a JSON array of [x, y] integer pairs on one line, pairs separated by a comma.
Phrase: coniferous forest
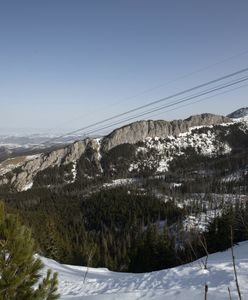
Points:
[[137, 227]]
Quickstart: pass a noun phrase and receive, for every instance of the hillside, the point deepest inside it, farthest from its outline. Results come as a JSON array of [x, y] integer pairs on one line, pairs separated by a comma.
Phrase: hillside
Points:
[[134, 192], [185, 282], [129, 151]]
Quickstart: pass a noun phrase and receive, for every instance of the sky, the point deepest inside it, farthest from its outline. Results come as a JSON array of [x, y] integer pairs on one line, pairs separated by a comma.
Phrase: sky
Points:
[[67, 64]]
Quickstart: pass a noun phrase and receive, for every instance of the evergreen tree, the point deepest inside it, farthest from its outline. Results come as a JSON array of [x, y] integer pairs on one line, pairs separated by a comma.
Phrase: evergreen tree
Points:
[[53, 242], [19, 267]]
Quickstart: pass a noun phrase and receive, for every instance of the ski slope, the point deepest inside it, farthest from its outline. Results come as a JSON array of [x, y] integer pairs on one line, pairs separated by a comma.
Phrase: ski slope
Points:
[[185, 282]]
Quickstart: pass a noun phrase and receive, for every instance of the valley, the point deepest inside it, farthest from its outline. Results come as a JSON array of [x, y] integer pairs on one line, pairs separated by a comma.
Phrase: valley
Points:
[[123, 150], [135, 192]]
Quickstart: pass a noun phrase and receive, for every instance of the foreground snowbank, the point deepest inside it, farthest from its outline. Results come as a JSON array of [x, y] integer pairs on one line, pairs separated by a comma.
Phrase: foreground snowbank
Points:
[[181, 283]]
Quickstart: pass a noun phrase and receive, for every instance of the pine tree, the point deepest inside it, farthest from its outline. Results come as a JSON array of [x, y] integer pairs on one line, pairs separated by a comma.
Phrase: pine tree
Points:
[[53, 243], [19, 266]]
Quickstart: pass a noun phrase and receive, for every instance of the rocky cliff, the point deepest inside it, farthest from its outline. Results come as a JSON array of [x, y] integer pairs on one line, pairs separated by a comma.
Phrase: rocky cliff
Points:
[[19, 173], [140, 130]]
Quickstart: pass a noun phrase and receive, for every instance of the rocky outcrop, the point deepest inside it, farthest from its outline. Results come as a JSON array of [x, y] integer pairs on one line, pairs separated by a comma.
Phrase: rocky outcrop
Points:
[[21, 175], [23, 179], [140, 130]]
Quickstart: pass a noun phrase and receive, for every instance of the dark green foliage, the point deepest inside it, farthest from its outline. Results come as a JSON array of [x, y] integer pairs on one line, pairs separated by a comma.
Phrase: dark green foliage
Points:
[[86, 165], [48, 288], [117, 161], [218, 235], [120, 209], [111, 222], [189, 161], [54, 176], [235, 136], [53, 242], [19, 268], [155, 251]]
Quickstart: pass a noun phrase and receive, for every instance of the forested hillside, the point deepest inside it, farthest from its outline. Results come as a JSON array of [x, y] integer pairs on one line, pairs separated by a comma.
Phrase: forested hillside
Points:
[[139, 206]]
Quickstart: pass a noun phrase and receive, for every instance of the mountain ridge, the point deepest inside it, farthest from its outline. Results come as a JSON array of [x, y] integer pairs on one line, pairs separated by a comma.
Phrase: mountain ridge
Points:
[[119, 152], [140, 130]]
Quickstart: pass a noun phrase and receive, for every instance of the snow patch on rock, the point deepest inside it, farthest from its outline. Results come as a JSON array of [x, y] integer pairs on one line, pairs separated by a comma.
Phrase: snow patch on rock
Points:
[[161, 151]]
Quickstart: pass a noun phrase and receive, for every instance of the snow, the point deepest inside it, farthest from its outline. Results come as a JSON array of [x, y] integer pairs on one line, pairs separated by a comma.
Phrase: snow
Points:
[[241, 120], [203, 208], [73, 172], [210, 206], [27, 186], [185, 282], [200, 221], [163, 165], [161, 151], [239, 113], [175, 184], [98, 142], [119, 182], [236, 176]]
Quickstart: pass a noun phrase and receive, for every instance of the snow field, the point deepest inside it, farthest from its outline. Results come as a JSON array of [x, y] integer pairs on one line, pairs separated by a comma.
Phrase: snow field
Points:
[[185, 282]]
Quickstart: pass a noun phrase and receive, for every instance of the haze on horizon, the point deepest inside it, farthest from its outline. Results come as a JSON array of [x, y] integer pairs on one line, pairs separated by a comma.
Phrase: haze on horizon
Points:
[[66, 64]]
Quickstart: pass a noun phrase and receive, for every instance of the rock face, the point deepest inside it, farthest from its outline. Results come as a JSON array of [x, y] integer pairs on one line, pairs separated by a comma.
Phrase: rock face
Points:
[[20, 175], [23, 179], [139, 131], [240, 113]]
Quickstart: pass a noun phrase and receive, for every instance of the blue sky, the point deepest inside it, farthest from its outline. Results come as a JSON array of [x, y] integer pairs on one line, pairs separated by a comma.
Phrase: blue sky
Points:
[[65, 64]]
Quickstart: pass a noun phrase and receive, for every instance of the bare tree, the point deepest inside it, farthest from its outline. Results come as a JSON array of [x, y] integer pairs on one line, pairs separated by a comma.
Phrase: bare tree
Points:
[[234, 266], [90, 256], [203, 243], [194, 253], [229, 293], [206, 292]]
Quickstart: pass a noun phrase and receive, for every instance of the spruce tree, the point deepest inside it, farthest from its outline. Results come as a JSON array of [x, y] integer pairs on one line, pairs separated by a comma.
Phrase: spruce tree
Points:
[[53, 242], [20, 268]]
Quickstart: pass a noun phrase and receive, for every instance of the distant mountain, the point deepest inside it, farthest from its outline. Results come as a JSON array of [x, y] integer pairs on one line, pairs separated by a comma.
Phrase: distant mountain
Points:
[[34, 140], [240, 113], [25, 144]]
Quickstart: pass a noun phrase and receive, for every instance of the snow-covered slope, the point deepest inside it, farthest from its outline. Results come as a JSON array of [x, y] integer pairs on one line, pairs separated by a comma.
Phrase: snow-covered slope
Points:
[[240, 113], [181, 283]]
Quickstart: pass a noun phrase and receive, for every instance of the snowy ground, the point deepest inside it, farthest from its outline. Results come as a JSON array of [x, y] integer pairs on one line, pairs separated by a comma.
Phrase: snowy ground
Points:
[[120, 182], [163, 150], [181, 283]]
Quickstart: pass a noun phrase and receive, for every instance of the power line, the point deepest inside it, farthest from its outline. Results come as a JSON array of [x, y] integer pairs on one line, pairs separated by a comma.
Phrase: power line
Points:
[[171, 104], [161, 100], [210, 90], [201, 100], [190, 103], [189, 74], [243, 53], [152, 103]]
